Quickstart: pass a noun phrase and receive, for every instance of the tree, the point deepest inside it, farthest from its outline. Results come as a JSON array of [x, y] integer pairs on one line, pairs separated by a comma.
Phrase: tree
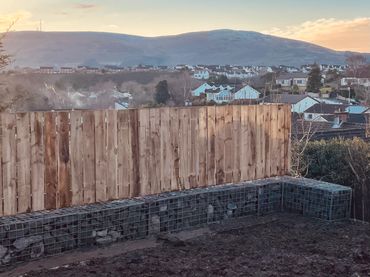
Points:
[[355, 62], [219, 80], [314, 79], [295, 89], [162, 94]]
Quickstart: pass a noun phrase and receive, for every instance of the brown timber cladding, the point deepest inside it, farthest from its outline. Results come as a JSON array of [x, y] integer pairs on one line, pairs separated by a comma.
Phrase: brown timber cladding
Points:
[[51, 160]]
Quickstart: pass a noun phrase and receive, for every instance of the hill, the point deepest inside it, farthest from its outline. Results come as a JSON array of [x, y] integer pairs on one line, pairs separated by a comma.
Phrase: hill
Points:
[[211, 47]]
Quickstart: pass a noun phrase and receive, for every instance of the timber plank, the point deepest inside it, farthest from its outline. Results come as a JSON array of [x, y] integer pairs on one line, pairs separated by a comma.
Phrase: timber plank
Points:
[[37, 160], [77, 158], [9, 164], [89, 178], [202, 146], [23, 167], [220, 144], [111, 184], [64, 196], [236, 140], [50, 159], [124, 154], [100, 156], [211, 145], [229, 147]]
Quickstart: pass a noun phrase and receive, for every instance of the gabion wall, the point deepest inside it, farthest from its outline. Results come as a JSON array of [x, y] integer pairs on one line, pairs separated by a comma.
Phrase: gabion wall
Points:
[[30, 236]]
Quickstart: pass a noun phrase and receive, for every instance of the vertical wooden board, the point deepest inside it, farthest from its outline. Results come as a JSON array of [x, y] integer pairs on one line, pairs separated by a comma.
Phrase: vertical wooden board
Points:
[[89, 185], [229, 147], [124, 154], [174, 136], [23, 145], [211, 144], [135, 159], [220, 144], [267, 135], [155, 147], [202, 146], [274, 140], [37, 160], [281, 149], [260, 142], [9, 164], [77, 158], [236, 143], [166, 165], [184, 147], [193, 173], [101, 156], [1, 168], [64, 196], [144, 151], [111, 182], [250, 118], [287, 139], [51, 162]]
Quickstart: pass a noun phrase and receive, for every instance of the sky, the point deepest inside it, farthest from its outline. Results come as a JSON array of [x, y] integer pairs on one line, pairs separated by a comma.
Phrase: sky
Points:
[[336, 24]]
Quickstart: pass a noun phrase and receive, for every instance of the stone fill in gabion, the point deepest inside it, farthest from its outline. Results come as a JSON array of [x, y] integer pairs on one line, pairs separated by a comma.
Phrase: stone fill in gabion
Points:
[[30, 236]]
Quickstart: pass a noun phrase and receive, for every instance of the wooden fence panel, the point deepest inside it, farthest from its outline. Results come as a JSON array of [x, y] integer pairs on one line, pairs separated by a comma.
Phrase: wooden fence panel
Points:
[[101, 156], [37, 161], [51, 164], [9, 164], [111, 144], [77, 155], [64, 195], [23, 150], [58, 159], [89, 181]]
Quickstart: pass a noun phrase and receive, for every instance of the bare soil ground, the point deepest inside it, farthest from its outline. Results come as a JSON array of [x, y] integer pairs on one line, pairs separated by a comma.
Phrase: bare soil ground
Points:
[[279, 245]]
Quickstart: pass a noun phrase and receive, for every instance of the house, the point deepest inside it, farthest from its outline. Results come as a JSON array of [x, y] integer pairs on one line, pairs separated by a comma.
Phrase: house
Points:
[[201, 75], [324, 112], [247, 92], [220, 95], [300, 103], [46, 69], [348, 81], [357, 109], [66, 70], [202, 89], [291, 79]]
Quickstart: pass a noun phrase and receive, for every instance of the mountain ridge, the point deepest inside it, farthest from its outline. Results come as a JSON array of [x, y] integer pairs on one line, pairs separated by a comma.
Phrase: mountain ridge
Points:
[[223, 46]]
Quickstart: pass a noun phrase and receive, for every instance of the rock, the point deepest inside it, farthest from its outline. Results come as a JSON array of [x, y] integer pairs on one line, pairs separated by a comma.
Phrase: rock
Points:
[[104, 240], [232, 206], [23, 243], [102, 233], [155, 224], [6, 259], [163, 208], [115, 235], [3, 251], [49, 239], [37, 250], [210, 209]]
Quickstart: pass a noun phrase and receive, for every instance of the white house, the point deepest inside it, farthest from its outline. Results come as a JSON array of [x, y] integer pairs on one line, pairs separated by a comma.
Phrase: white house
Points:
[[220, 95], [247, 92], [300, 103], [201, 75], [347, 81], [291, 79], [202, 89]]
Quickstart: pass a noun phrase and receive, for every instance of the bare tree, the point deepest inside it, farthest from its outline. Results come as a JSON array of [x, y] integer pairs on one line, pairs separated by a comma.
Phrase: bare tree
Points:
[[355, 63]]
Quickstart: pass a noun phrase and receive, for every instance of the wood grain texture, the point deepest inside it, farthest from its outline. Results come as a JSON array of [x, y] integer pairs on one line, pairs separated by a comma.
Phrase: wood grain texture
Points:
[[9, 173], [111, 141], [64, 195], [51, 162], [89, 180], [76, 156], [23, 166]]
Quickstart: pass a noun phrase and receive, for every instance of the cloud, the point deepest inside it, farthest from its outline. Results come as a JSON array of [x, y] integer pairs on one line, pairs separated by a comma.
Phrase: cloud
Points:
[[113, 26], [85, 6], [352, 35], [21, 19]]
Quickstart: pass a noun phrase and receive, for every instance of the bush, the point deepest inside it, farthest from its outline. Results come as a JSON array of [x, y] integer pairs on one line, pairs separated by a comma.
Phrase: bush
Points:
[[345, 162]]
